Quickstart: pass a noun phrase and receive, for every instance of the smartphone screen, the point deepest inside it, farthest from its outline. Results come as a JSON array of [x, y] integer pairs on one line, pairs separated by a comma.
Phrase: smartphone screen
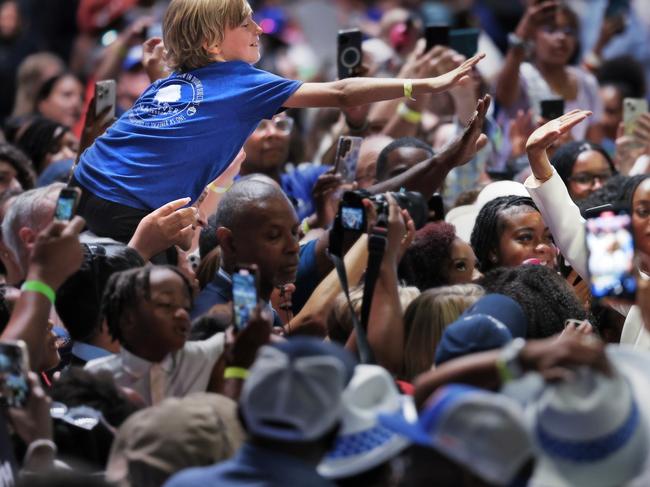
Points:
[[349, 54], [611, 256], [464, 41], [244, 296], [105, 96], [66, 204], [14, 386], [552, 108], [633, 108], [347, 156], [436, 35]]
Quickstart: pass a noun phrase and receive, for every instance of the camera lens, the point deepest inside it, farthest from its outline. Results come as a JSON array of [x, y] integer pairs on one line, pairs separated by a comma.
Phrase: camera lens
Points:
[[350, 57]]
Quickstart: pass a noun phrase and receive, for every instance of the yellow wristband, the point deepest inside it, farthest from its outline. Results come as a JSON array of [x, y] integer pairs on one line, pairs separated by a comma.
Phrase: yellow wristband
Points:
[[219, 189], [39, 287], [504, 373], [411, 116], [236, 373], [305, 226], [408, 89]]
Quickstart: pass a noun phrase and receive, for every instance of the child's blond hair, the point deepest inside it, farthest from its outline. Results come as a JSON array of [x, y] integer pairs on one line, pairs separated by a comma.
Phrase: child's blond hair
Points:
[[192, 26]]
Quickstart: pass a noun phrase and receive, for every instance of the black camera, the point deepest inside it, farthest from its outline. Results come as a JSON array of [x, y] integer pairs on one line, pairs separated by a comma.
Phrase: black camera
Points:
[[349, 53], [352, 214]]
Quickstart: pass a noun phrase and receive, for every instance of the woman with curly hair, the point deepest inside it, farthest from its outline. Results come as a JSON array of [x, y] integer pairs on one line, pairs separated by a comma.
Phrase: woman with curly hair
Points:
[[437, 257]]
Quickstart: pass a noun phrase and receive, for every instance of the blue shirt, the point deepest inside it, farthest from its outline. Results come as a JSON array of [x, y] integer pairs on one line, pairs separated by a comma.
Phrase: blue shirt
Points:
[[298, 184], [253, 466], [181, 134]]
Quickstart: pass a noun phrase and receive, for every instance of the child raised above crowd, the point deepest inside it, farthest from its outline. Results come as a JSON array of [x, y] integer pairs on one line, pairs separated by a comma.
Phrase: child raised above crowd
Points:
[[185, 129]]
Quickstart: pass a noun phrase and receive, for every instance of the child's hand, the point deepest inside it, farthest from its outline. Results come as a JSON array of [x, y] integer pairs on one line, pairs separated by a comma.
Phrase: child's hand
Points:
[[455, 77]]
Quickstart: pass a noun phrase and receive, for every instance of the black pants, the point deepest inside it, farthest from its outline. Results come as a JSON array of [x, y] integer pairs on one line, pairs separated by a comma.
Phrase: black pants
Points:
[[107, 219]]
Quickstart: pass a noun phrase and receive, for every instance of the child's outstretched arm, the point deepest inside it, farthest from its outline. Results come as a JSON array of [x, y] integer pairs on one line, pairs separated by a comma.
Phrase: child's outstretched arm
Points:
[[361, 91]]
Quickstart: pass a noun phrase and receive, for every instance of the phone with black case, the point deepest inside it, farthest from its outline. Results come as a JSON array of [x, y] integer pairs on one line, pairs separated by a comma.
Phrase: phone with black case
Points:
[[436, 35], [552, 108], [349, 54]]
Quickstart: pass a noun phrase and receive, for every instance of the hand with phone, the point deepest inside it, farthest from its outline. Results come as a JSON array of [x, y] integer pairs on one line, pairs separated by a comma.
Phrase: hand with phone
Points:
[[66, 204], [326, 193], [57, 253], [244, 295]]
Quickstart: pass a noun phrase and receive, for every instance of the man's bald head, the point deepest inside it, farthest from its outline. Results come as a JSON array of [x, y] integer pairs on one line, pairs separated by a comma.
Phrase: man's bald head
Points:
[[245, 197]]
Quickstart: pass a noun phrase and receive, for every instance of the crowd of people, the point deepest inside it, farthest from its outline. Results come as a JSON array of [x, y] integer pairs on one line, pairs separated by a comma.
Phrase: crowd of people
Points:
[[199, 289]]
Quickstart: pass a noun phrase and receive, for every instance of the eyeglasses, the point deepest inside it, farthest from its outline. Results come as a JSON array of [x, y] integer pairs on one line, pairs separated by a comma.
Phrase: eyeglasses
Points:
[[554, 29], [588, 179], [283, 125]]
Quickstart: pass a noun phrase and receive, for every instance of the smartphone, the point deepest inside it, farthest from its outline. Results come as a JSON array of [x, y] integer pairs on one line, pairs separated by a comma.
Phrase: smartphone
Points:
[[347, 156], [14, 365], [244, 294], [464, 41], [66, 204], [436, 208], [632, 110], [349, 54], [610, 245], [105, 96], [436, 35], [552, 108]]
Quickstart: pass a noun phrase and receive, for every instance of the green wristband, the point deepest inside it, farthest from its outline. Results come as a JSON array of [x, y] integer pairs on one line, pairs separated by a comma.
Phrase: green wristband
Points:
[[39, 287], [236, 373]]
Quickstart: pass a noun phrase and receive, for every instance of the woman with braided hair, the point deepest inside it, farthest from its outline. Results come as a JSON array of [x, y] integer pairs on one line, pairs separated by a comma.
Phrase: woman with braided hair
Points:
[[509, 231]]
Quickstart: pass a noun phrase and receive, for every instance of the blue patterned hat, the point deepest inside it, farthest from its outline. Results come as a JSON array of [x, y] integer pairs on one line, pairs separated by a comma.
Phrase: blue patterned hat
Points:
[[362, 443]]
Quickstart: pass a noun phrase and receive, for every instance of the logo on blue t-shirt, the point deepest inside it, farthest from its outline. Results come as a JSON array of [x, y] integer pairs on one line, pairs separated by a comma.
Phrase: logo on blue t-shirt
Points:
[[169, 102]]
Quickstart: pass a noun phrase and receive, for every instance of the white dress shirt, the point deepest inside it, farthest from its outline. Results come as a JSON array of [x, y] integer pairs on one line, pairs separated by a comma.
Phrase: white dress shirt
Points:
[[178, 374]]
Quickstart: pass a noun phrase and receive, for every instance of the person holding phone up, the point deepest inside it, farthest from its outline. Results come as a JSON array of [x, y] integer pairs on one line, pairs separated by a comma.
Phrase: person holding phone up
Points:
[[538, 65]]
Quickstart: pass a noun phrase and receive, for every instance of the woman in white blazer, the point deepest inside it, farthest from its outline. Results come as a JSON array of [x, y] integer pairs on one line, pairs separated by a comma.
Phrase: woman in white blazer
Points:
[[567, 224]]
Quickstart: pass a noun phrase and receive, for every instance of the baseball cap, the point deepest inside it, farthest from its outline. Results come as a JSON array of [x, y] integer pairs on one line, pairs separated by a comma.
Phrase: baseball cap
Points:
[[294, 390], [483, 431], [471, 334], [362, 443], [503, 308], [489, 323], [154, 443]]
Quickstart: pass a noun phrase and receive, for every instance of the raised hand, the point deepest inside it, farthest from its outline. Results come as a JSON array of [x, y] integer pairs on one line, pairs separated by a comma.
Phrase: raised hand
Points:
[[542, 138], [324, 193], [57, 253], [548, 133], [536, 14], [472, 140], [153, 59], [171, 224], [456, 76]]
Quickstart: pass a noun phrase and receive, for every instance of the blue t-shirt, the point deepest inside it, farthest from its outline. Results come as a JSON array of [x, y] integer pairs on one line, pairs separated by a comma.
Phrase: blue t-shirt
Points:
[[298, 185], [181, 134]]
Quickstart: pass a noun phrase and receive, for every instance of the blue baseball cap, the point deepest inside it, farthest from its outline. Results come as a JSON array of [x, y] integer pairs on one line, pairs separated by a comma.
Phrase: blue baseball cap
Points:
[[471, 334], [503, 308]]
